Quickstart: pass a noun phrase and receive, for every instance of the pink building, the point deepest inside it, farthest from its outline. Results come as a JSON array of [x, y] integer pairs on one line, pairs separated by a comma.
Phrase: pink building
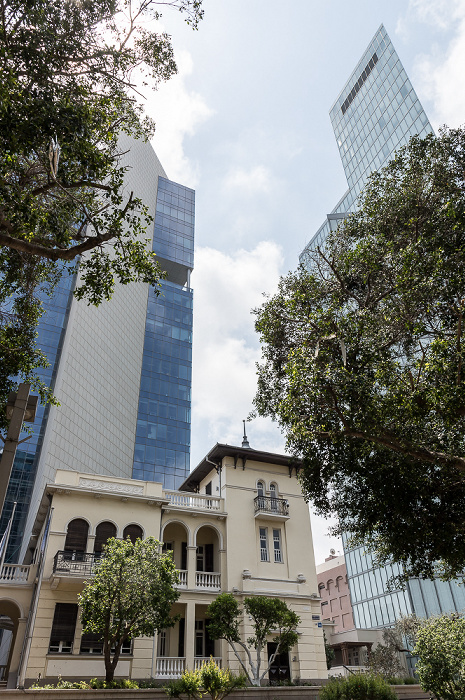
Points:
[[333, 589]]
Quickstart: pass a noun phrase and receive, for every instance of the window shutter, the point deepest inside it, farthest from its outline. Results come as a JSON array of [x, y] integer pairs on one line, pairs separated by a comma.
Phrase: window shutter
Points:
[[76, 537], [134, 532], [208, 557], [63, 627], [102, 534]]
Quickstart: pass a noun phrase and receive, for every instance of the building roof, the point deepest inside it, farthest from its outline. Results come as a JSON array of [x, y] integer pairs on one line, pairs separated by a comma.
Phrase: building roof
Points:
[[216, 454]]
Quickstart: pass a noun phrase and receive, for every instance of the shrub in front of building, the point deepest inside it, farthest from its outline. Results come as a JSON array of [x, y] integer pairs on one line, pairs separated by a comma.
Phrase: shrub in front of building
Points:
[[357, 687]]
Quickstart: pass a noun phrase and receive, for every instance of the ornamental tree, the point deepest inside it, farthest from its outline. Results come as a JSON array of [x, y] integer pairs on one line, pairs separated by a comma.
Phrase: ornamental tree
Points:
[[270, 617], [363, 363], [70, 81], [441, 648], [130, 595]]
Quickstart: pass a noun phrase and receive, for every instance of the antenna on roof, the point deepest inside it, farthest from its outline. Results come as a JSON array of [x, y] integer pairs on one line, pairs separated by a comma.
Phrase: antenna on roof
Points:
[[245, 442]]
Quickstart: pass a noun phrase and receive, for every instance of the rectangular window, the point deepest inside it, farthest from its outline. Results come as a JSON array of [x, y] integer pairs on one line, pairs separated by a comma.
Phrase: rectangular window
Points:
[[278, 557], [63, 628], [264, 555]]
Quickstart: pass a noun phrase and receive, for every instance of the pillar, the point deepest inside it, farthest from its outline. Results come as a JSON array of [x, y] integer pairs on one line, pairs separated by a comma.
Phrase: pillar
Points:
[[189, 635], [191, 566]]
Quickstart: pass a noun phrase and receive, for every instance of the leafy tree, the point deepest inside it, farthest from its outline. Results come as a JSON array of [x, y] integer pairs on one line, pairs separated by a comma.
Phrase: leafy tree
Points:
[[69, 73], [270, 616], [363, 363], [385, 659], [130, 595], [441, 648], [209, 679]]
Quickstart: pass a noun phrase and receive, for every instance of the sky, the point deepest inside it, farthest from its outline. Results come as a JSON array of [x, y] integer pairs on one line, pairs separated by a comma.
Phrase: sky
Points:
[[245, 123]]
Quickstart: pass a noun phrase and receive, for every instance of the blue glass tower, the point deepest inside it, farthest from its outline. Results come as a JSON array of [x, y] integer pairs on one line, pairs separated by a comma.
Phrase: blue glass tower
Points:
[[376, 113], [122, 371], [162, 445]]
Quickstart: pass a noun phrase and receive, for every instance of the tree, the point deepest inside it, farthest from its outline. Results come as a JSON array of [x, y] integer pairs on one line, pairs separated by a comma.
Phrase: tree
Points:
[[385, 659], [329, 652], [441, 648], [130, 595], [209, 679], [269, 616], [363, 363], [69, 77]]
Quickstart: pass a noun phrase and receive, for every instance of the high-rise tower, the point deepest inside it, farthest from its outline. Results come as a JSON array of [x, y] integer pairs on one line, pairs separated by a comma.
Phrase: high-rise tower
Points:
[[122, 371], [376, 112]]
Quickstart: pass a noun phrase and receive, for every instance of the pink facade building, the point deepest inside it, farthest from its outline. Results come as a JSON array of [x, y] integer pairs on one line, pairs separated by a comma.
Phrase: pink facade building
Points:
[[333, 589]]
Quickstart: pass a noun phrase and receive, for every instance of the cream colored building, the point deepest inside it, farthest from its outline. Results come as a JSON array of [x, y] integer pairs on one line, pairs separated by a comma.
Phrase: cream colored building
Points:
[[238, 524]]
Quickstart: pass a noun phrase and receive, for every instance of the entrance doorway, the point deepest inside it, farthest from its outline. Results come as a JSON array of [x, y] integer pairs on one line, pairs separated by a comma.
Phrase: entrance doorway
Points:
[[280, 669]]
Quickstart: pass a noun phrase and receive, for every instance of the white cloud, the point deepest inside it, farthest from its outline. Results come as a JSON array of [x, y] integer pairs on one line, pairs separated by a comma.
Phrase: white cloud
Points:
[[226, 288], [177, 112], [439, 75], [256, 179]]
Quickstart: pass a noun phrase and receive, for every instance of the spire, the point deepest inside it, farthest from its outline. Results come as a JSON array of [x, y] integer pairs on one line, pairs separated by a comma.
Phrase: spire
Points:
[[245, 442]]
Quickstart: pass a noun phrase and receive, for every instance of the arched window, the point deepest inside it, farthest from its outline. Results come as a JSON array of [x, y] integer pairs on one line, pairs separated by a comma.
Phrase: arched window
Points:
[[76, 536], [134, 532], [103, 533], [329, 585], [261, 488], [339, 581], [273, 496]]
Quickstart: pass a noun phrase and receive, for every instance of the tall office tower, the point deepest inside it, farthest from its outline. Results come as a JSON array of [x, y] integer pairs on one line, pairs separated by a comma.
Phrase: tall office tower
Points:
[[376, 113], [122, 371]]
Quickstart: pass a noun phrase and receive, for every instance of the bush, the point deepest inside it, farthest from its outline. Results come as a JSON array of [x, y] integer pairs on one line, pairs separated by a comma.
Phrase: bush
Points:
[[61, 685], [208, 679], [100, 684], [441, 648], [357, 687]]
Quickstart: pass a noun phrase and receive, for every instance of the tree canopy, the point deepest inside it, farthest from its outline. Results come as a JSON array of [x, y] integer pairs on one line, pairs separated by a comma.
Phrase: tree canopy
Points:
[[440, 644], [130, 595], [363, 362], [70, 80], [269, 617]]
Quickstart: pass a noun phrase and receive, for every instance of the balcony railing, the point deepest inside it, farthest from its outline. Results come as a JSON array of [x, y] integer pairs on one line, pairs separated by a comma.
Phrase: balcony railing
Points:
[[80, 564], [208, 580], [200, 660], [182, 579], [194, 500], [170, 666], [271, 506], [14, 573]]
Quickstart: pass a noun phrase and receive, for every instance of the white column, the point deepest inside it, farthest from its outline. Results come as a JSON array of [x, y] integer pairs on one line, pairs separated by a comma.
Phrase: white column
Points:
[[189, 635]]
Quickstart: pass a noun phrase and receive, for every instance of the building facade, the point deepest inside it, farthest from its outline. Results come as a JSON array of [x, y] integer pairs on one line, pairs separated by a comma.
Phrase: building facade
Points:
[[375, 114], [122, 371], [238, 524]]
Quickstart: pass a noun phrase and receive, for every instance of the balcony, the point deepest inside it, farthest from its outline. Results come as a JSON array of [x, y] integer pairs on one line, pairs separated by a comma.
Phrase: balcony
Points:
[[14, 573], [170, 667], [270, 508], [208, 580], [194, 501], [79, 564]]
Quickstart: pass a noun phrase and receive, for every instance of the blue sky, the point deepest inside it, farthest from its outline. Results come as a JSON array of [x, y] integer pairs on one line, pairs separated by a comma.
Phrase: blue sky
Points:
[[246, 124]]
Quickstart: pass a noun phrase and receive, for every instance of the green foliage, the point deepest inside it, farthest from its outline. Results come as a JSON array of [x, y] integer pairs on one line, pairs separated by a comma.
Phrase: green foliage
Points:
[[99, 684], [385, 659], [130, 595], [66, 96], [209, 679], [62, 685], [357, 687], [363, 363], [329, 652], [441, 648], [269, 616]]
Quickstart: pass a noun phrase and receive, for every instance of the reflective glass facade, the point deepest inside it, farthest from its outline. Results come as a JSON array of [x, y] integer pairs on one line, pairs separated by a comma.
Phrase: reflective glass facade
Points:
[[162, 445], [375, 114], [51, 332]]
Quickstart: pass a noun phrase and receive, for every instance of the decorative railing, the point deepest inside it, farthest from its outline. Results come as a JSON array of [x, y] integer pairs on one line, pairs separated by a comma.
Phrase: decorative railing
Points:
[[182, 579], [271, 506], [75, 563], [200, 660], [170, 667], [194, 500], [14, 573], [208, 580]]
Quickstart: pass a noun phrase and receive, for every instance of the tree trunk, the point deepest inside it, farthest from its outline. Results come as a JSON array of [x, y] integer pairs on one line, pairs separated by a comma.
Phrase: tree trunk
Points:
[[109, 669]]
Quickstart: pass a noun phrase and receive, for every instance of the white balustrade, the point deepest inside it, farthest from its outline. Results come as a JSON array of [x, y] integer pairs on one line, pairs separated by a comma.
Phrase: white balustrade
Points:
[[182, 499], [16, 573], [208, 580], [182, 579], [170, 666], [200, 660]]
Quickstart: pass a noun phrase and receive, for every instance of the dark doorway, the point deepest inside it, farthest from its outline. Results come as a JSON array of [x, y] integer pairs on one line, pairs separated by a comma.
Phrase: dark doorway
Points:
[[280, 669]]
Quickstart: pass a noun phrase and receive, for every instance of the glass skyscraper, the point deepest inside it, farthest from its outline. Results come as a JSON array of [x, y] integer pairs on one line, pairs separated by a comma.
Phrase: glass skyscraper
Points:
[[376, 113], [122, 371]]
